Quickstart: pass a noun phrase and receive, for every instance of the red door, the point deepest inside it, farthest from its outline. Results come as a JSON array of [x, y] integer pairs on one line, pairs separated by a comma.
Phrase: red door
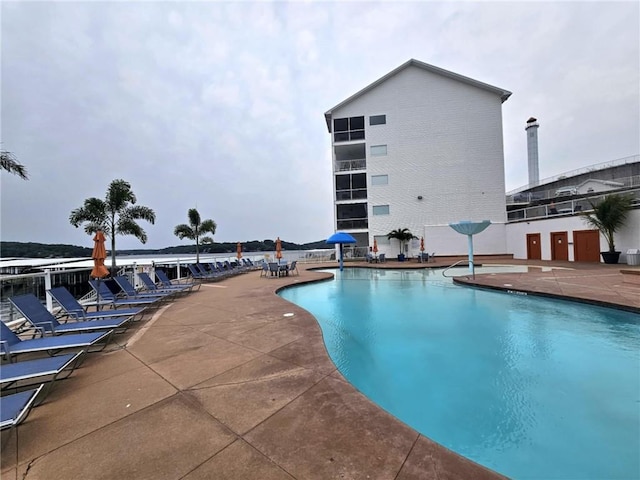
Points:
[[559, 246], [534, 251], [586, 245]]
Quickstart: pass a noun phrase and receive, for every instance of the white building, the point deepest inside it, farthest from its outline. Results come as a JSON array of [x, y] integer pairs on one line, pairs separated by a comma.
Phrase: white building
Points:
[[420, 148]]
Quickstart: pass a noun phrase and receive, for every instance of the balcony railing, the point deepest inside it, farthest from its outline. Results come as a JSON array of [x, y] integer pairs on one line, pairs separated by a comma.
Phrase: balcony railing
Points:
[[348, 165], [569, 207]]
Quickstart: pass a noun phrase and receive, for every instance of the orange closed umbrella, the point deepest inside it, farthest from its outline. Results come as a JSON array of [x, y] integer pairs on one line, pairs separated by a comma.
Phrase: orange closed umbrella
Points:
[[278, 248], [375, 246], [239, 250], [99, 255], [422, 244]]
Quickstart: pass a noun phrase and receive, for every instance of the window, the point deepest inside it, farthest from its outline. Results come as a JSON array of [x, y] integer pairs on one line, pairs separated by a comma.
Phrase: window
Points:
[[378, 150], [382, 240], [351, 187], [345, 129], [381, 209], [377, 119], [351, 215], [379, 179]]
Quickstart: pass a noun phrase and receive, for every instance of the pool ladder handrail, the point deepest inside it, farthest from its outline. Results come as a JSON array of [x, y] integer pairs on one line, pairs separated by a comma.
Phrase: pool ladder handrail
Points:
[[451, 266]]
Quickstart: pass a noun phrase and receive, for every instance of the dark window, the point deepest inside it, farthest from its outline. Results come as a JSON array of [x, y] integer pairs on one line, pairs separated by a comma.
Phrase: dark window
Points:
[[356, 123], [359, 180], [341, 125], [343, 182], [345, 129], [377, 119]]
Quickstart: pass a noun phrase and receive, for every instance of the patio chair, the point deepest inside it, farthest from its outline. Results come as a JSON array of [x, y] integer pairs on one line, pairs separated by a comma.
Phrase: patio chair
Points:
[[153, 288], [11, 344], [382, 258], [293, 268], [37, 315], [45, 371], [15, 408], [275, 269], [166, 281], [131, 292], [111, 299], [74, 309], [264, 272]]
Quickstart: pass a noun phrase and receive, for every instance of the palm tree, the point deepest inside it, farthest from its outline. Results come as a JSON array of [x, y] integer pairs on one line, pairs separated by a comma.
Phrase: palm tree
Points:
[[195, 230], [9, 163], [402, 235], [115, 215], [609, 215]]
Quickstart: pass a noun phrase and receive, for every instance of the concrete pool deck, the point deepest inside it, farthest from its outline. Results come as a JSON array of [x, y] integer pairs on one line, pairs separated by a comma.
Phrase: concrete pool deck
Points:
[[233, 382]]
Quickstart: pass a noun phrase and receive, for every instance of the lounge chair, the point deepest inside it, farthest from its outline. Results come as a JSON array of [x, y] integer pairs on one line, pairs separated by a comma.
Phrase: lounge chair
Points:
[[197, 274], [150, 286], [131, 292], [11, 344], [43, 371], [38, 316], [15, 408], [110, 299], [166, 281], [74, 309]]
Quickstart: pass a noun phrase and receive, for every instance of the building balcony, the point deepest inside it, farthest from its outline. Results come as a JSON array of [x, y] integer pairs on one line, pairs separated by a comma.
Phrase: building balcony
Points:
[[349, 165]]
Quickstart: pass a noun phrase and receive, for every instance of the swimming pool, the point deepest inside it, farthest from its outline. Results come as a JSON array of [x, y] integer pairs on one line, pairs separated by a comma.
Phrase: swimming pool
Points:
[[528, 386]]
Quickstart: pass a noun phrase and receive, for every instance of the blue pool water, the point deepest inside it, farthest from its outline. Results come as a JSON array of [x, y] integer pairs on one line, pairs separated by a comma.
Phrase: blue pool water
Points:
[[530, 387]]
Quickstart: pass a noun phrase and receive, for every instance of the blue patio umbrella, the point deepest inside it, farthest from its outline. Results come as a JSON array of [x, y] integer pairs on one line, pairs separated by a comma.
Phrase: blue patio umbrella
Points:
[[469, 228], [340, 238]]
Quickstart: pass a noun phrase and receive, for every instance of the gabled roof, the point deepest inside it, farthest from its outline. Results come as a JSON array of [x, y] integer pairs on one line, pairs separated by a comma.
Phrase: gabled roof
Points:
[[504, 94]]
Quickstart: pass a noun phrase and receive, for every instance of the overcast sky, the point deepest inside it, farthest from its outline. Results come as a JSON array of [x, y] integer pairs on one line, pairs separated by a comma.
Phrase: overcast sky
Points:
[[220, 106]]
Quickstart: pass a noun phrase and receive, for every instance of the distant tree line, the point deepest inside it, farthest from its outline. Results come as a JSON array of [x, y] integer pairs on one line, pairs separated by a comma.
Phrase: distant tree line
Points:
[[43, 250]]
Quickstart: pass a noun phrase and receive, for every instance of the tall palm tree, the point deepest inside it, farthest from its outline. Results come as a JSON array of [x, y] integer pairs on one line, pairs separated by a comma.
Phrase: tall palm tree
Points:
[[195, 230], [402, 235], [9, 163], [115, 215]]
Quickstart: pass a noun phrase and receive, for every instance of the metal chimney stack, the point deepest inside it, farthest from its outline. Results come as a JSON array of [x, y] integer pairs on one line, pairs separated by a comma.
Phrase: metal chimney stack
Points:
[[532, 150]]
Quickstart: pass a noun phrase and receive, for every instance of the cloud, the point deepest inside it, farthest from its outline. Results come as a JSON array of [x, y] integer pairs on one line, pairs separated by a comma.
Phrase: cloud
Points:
[[220, 105]]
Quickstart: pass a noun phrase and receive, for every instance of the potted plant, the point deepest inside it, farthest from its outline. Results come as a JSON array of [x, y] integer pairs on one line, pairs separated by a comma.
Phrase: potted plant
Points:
[[608, 216], [402, 235]]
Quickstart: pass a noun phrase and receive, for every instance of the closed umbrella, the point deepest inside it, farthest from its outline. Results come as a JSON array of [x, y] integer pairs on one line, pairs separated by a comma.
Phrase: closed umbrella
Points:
[[375, 248], [239, 250], [99, 255], [278, 248], [422, 249]]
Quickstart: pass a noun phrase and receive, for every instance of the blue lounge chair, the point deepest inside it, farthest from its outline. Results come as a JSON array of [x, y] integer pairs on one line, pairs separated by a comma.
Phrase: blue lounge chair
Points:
[[109, 298], [37, 315], [166, 281], [152, 287], [74, 309], [43, 371], [11, 344], [15, 408], [131, 292], [199, 275]]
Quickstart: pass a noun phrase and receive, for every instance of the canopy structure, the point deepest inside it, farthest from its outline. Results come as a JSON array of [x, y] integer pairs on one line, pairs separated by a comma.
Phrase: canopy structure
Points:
[[469, 228], [340, 238]]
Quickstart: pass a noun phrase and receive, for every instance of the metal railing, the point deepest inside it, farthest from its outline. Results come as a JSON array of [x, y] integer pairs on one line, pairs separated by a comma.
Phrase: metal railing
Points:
[[348, 165], [567, 207], [455, 265]]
